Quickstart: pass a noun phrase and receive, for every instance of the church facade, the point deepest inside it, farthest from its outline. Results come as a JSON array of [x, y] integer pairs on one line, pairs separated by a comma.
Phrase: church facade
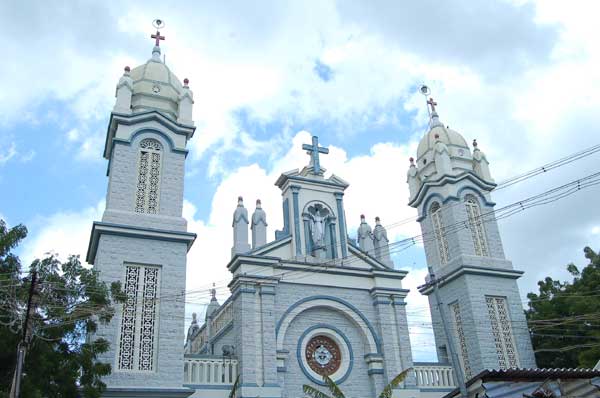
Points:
[[309, 303]]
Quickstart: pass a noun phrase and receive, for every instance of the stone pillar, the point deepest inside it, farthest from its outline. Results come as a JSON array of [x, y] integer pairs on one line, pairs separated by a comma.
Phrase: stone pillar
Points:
[[342, 222], [246, 332], [296, 208], [395, 343], [269, 341], [389, 333], [259, 226], [240, 229], [123, 93], [334, 248], [401, 321]]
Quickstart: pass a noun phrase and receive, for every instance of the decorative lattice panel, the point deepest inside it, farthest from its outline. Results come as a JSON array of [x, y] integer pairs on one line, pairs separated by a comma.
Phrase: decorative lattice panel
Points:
[[128, 320], [462, 342], [148, 181], [502, 332], [148, 319], [440, 233], [137, 340], [476, 226]]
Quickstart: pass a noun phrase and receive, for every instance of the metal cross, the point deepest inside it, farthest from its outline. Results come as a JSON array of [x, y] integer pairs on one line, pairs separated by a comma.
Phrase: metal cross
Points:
[[432, 103], [314, 150], [158, 37]]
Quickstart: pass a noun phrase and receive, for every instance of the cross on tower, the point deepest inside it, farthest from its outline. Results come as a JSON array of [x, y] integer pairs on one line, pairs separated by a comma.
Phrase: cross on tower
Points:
[[158, 37], [314, 150], [432, 103]]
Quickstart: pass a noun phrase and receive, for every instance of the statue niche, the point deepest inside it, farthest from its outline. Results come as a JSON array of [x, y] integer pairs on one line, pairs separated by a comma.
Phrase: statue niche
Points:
[[318, 222]]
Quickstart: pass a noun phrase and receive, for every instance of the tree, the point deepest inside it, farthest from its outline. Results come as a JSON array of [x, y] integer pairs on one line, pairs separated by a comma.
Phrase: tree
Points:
[[69, 300], [336, 392], [564, 318]]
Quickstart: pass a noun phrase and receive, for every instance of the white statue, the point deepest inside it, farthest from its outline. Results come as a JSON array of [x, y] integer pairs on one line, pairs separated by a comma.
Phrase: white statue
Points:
[[365, 236], [317, 229]]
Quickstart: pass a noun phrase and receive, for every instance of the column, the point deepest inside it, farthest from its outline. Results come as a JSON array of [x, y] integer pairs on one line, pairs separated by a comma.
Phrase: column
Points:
[[269, 343], [295, 191], [342, 222]]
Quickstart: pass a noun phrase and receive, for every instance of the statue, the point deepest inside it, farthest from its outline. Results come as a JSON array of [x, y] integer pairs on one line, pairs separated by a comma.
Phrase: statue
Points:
[[365, 236], [381, 242], [317, 217], [193, 327]]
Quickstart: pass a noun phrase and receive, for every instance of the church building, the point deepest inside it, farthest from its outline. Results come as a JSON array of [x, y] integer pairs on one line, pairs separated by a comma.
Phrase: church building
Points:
[[310, 302]]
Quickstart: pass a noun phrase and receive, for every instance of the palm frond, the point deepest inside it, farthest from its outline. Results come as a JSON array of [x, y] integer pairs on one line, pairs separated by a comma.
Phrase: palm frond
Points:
[[313, 392], [387, 391], [234, 387], [335, 390]]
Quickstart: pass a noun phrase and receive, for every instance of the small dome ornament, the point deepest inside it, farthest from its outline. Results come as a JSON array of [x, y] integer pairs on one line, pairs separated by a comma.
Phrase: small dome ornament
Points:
[[474, 143], [127, 69], [186, 82]]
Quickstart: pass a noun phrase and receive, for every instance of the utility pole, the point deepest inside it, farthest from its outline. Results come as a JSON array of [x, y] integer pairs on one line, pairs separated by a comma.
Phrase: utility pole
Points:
[[460, 378], [22, 347]]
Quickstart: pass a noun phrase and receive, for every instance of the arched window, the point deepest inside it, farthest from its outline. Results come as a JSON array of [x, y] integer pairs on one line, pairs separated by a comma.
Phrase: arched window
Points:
[[439, 231], [148, 179], [476, 226]]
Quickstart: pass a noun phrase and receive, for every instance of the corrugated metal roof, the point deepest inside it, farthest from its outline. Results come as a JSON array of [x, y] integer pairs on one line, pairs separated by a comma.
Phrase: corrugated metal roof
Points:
[[505, 383]]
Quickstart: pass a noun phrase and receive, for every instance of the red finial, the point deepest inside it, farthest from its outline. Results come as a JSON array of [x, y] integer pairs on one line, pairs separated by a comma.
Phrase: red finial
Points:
[[127, 69], [186, 81]]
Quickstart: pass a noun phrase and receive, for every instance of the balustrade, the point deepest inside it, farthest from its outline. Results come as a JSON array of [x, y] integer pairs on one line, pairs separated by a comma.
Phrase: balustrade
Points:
[[212, 371], [434, 376]]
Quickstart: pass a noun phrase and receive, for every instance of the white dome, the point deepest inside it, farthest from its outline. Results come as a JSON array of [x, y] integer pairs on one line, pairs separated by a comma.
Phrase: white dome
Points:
[[448, 136], [155, 87]]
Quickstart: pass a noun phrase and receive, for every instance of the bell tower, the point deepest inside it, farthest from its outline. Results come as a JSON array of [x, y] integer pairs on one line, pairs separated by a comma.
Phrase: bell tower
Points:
[[451, 187], [142, 240]]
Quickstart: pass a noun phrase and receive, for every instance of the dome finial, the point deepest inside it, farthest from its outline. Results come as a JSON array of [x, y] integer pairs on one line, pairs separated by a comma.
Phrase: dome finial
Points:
[[431, 104], [158, 24]]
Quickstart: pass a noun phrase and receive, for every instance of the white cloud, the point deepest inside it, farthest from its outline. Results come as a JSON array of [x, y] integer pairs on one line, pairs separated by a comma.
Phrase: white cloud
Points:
[[8, 153], [63, 233]]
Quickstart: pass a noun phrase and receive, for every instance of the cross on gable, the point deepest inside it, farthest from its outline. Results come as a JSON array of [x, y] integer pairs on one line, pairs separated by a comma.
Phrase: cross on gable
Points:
[[314, 150], [158, 38], [432, 103]]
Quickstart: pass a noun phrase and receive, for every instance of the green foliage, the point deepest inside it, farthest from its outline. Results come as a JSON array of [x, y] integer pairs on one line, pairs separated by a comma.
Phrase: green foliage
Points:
[[337, 392], [565, 316], [387, 391], [69, 302], [313, 392]]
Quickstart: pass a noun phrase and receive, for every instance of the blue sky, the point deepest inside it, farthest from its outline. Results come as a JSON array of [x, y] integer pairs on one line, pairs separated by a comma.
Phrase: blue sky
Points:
[[267, 76]]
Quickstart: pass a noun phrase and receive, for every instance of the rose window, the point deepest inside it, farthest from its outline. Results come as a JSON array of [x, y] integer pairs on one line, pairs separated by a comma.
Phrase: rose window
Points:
[[323, 355]]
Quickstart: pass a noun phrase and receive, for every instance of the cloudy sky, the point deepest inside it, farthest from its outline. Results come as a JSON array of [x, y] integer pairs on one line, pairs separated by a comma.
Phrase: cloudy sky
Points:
[[521, 77]]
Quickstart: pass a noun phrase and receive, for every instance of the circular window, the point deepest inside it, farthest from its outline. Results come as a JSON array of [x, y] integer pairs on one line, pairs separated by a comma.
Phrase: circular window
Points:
[[323, 350], [323, 355]]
